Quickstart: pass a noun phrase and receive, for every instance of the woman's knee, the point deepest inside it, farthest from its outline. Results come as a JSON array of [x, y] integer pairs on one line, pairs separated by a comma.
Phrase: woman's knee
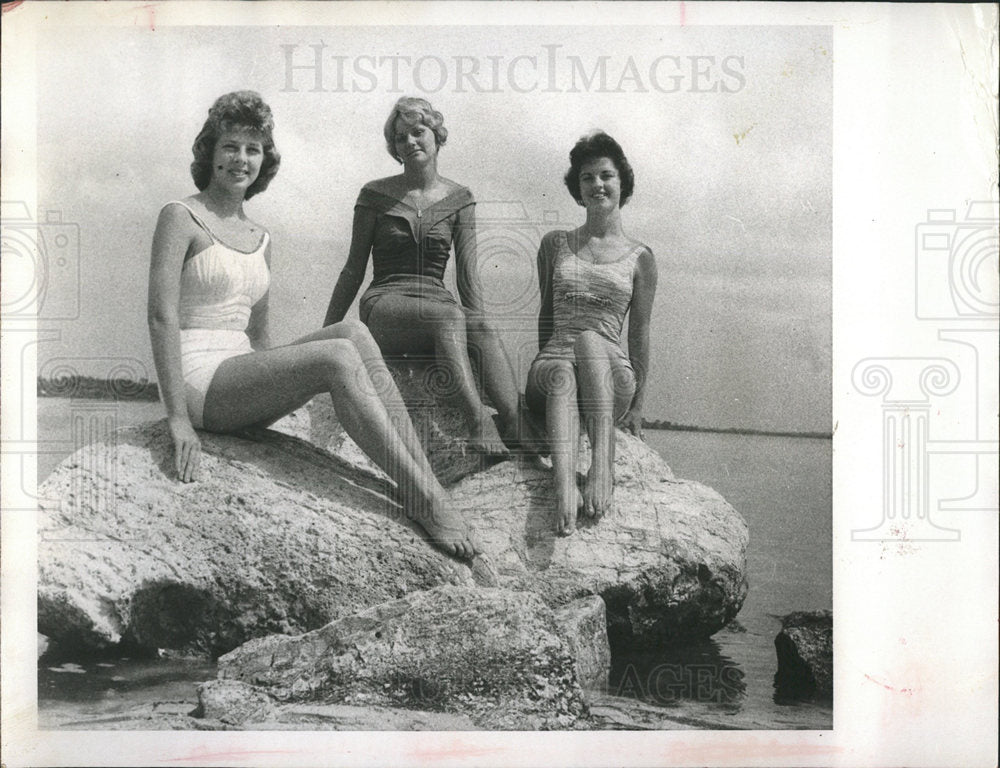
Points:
[[354, 330], [553, 378], [480, 324], [623, 381], [447, 315], [338, 358], [448, 324]]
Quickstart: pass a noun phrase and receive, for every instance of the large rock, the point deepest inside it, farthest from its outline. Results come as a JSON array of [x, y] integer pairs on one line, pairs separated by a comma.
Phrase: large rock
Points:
[[804, 647], [670, 562], [276, 536], [281, 537], [493, 655]]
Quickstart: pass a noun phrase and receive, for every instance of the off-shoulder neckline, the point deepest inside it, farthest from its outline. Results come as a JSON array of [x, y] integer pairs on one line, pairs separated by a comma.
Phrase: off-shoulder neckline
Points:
[[458, 189]]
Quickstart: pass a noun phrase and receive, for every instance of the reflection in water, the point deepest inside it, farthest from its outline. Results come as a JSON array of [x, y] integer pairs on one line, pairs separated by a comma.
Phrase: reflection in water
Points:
[[668, 677], [144, 680]]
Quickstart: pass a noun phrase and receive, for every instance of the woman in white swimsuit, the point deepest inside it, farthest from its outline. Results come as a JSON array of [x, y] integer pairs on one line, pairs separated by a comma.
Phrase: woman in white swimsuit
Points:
[[590, 278], [217, 370]]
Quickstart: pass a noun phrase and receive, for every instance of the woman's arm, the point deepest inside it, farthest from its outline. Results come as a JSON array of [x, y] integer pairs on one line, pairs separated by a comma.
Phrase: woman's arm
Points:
[[353, 273], [170, 244], [640, 312], [470, 287], [259, 328], [545, 310]]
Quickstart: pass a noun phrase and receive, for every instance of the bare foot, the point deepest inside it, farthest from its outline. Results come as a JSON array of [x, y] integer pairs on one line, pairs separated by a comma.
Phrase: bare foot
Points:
[[447, 530], [599, 488], [485, 438], [566, 521]]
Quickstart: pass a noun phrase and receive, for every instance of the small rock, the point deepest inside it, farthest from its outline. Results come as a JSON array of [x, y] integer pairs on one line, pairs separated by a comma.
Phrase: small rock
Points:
[[804, 647], [233, 703], [584, 627]]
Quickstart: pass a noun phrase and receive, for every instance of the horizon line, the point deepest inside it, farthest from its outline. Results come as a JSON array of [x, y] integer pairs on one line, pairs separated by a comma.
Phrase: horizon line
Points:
[[97, 388]]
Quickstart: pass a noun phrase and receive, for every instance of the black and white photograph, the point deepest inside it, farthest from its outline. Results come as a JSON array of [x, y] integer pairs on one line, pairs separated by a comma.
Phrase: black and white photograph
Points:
[[499, 384]]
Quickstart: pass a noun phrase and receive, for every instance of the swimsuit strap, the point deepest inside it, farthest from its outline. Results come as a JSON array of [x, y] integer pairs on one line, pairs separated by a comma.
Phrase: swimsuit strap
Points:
[[196, 217], [215, 240]]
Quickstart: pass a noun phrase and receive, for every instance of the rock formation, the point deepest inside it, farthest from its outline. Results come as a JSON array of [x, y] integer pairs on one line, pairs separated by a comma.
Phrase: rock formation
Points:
[[493, 655], [276, 536], [805, 656], [294, 543], [658, 519], [280, 537]]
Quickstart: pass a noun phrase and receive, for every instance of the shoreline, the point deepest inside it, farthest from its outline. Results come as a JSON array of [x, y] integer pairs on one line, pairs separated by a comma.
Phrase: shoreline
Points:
[[91, 388]]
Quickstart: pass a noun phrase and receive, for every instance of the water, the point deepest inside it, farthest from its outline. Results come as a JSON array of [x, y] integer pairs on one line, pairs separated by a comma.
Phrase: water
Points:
[[783, 488], [781, 485], [55, 416]]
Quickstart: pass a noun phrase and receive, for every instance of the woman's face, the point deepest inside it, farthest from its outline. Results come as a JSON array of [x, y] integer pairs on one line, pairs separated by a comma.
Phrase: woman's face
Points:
[[414, 141], [237, 159], [600, 185]]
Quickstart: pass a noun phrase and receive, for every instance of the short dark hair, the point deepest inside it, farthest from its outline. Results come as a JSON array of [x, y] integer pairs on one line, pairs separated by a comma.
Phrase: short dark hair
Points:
[[237, 111], [592, 147]]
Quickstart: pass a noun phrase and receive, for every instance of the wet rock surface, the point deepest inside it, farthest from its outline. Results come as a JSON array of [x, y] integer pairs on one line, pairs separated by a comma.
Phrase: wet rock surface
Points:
[[804, 647]]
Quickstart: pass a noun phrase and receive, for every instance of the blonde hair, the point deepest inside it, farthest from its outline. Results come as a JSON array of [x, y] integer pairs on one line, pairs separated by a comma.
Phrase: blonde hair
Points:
[[413, 110]]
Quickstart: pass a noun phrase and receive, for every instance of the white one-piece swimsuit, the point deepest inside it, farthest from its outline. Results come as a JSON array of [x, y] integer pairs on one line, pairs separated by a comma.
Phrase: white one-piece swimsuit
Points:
[[219, 287]]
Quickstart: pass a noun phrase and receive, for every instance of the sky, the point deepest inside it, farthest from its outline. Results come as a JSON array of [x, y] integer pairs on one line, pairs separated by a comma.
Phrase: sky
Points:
[[728, 130]]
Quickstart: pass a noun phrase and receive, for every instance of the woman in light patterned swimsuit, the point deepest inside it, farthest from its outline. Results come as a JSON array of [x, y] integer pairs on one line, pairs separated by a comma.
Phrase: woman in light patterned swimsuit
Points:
[[589, 279], [208, 310]]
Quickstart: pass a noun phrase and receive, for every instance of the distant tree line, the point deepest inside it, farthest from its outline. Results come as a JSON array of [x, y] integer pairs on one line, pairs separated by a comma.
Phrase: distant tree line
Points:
[[661, 424], [127, 389], [93, 388]]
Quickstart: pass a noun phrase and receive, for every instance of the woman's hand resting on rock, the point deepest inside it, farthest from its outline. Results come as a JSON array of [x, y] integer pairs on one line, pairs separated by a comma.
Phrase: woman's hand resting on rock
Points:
[[187, 448]]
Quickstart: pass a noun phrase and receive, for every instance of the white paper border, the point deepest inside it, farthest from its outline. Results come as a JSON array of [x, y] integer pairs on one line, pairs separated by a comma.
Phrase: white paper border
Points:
[[906, 78]]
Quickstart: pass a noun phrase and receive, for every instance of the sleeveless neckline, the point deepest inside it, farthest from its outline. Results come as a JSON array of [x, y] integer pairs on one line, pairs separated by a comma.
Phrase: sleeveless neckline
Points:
[[575, 255], [216, 240]]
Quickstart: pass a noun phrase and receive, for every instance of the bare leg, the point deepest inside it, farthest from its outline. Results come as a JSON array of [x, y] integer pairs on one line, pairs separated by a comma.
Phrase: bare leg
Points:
[[385, 386], [555, 381], [407, 325], [263, 386], [497, 372], [605, 387]]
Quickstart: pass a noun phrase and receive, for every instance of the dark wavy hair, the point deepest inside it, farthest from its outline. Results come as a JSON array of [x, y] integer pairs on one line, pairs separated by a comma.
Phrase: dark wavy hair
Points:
[[592, 147], [413, 110], [237, 111]]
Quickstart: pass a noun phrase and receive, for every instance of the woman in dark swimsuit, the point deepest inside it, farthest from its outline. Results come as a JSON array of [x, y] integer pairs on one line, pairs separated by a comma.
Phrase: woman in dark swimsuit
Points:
[[408, 223]]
